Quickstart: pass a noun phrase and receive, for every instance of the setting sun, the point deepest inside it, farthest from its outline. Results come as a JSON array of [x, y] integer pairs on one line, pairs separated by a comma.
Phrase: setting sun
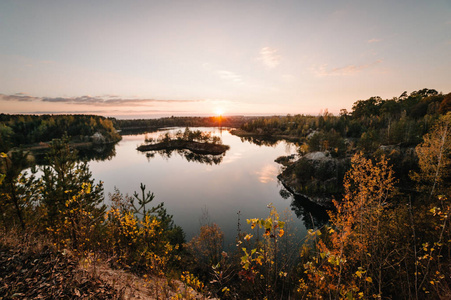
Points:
[[156, 128]]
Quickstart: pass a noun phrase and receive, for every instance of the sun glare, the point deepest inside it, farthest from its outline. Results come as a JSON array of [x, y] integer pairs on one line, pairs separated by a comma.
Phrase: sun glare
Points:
[[219, 112]]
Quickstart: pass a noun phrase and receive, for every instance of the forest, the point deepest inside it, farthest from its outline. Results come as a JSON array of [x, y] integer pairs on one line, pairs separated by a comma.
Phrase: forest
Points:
[[375, 127], [143, 125], [28, 130], [385, 165]]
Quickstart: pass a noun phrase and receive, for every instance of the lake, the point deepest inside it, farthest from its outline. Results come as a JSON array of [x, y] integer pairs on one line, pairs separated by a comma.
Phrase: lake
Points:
[[243, 181]]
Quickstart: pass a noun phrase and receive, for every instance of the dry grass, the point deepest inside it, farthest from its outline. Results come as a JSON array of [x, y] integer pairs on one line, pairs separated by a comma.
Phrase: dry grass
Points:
[[32, 268]]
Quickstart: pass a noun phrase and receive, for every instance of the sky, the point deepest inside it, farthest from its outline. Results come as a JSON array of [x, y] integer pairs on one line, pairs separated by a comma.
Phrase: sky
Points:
[[147, 59]]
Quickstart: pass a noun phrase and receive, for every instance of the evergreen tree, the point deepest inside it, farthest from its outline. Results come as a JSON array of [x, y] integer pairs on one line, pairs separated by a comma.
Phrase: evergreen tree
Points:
[[17, 190], [69, 195]]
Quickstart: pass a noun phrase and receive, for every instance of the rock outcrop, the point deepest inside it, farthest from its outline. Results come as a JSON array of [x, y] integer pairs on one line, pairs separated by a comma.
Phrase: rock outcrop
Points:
[[315, 176]]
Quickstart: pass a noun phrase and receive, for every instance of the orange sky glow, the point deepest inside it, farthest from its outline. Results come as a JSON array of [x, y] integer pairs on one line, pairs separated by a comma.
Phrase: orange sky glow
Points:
[[148, 59]]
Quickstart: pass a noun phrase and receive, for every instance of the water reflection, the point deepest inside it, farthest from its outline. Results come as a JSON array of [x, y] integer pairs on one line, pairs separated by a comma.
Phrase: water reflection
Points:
[[271, 142], [312, 214], [99, 152], [268, 173], [189, 156], [268, 142], [245, 179], [194, 145]]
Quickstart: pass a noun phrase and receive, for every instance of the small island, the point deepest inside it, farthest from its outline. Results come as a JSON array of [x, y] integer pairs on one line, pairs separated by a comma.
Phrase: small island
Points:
[[195, 141]]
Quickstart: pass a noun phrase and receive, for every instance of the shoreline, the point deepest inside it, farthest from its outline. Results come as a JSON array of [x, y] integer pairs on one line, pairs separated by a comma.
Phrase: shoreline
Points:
[[244, 133]]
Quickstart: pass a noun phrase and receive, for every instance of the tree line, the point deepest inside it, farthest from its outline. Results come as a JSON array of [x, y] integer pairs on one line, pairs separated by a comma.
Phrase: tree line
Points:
[[16, 130], [154, 124], [376, 127], [400, 120]]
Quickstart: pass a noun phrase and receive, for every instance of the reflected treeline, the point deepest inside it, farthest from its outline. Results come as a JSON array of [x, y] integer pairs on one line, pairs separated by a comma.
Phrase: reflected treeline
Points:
[[312, 214], [96, 152], [136, 131], [189, 156], [269, 142]]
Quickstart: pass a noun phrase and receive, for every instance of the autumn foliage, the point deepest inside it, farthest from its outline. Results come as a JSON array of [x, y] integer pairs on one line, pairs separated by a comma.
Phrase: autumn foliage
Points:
[[373, 249], [381, 242]]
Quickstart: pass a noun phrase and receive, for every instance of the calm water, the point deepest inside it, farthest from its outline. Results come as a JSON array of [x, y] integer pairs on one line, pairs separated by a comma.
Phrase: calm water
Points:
[[244, 181]]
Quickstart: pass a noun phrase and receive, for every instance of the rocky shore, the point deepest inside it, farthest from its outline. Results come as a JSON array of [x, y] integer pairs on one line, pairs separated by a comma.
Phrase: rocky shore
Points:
[[315, 176], [324, 201]]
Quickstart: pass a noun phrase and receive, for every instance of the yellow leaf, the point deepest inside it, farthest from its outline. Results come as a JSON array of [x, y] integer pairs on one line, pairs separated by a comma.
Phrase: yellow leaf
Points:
[[369, 279]]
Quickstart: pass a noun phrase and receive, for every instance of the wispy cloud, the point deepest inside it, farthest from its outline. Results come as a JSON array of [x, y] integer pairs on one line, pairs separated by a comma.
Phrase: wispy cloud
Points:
[[323, 70], [374, 40], [103, 111], [267, 173], [19, 97], [91, 100], [232, 158], [227, 75], [269, 57]]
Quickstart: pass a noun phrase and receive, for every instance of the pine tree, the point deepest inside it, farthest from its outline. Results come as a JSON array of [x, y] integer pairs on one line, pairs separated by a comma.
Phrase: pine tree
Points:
[[69, 195]]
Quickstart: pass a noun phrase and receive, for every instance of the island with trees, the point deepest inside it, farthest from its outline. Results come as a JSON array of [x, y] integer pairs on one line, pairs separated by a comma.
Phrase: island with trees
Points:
[[196, 141]]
